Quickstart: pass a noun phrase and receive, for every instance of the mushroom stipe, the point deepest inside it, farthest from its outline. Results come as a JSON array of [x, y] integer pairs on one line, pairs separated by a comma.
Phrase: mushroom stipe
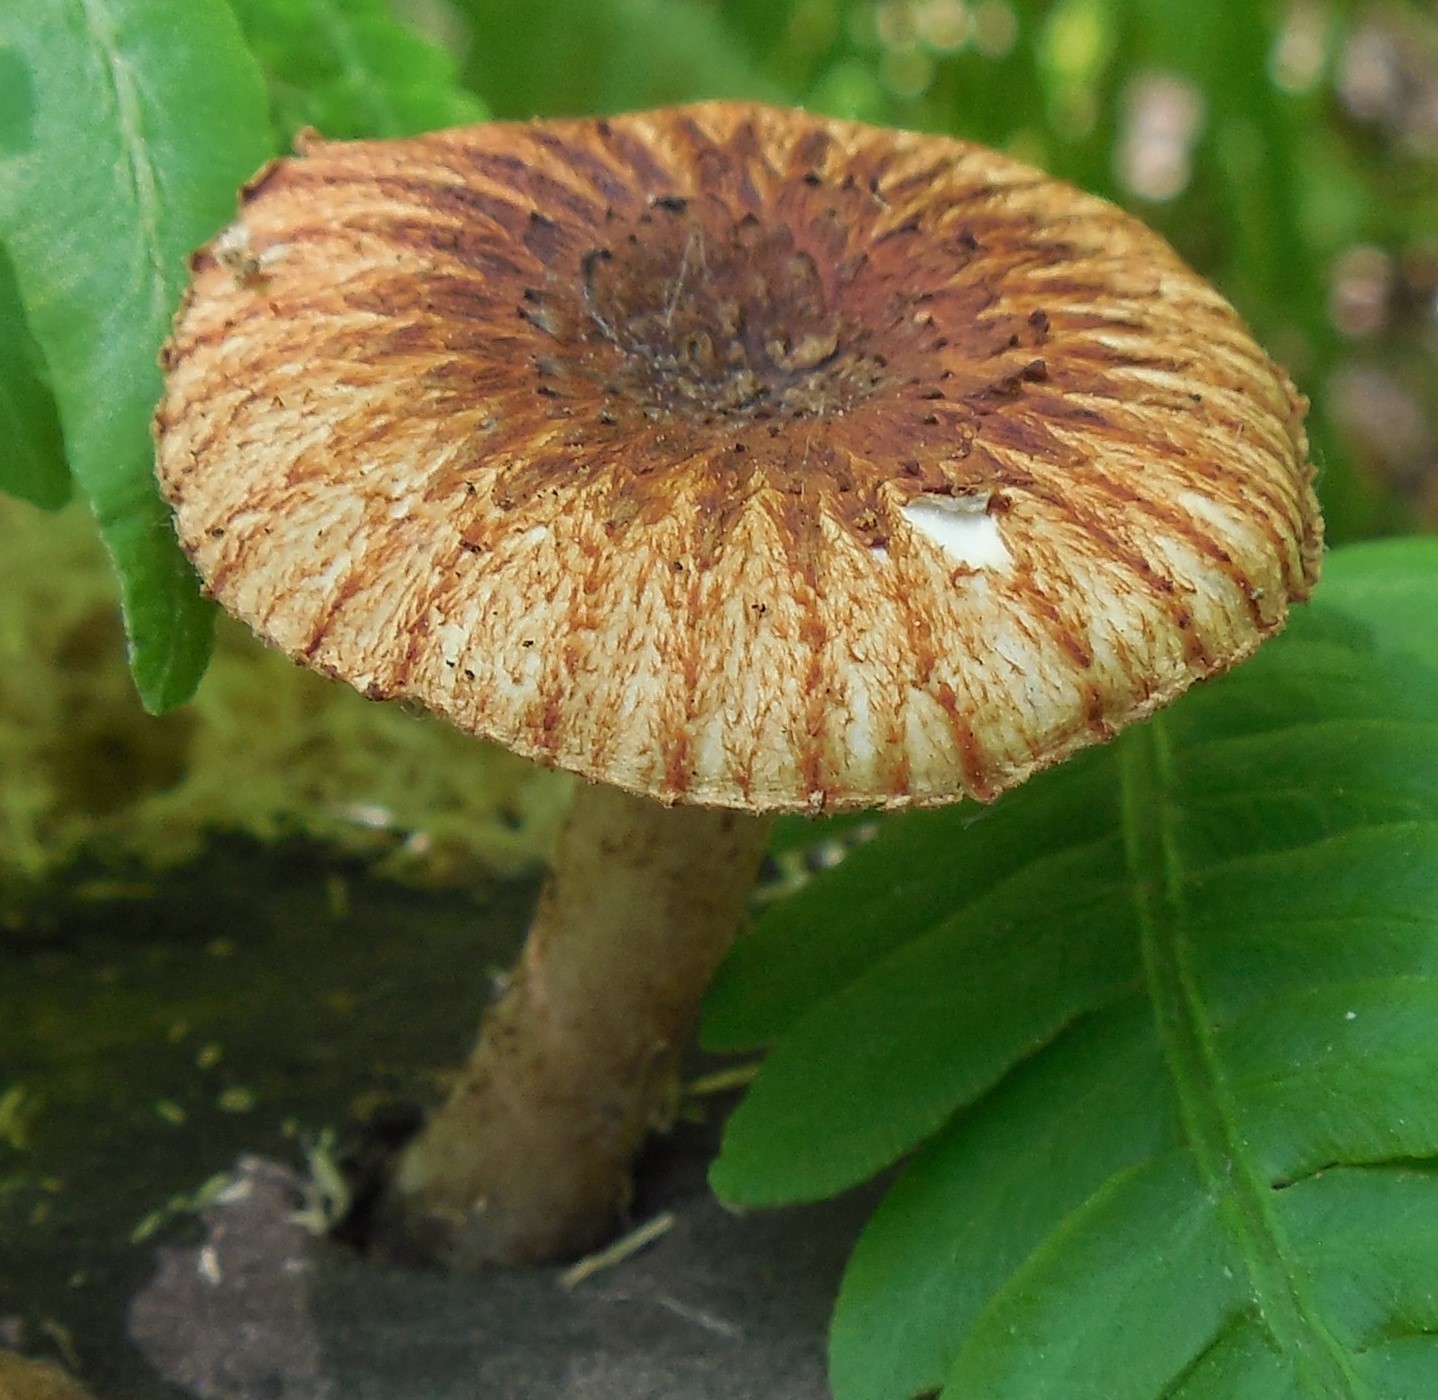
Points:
[[741, 461]]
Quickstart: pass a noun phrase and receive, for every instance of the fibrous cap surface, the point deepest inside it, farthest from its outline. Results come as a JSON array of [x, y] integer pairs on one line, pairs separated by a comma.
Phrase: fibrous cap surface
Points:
[[731, 454]]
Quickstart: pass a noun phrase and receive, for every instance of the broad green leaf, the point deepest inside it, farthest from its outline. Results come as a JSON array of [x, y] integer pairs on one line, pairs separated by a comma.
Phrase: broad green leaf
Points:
[[1214, 1035], [603, 56], [974, 1203], [1239, 1364], [1280, 924], [120, 151], [1338, 1072], [887, 894], [1393, 587], [984, 989], [350, 68], [1369, 1239], [1172, 1278], [32, 450]]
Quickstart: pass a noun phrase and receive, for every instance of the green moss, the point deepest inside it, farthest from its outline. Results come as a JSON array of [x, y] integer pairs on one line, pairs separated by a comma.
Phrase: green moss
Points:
[[265, 749]]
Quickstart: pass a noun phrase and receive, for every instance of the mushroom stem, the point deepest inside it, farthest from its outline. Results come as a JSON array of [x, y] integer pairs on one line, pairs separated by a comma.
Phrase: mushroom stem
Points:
[[529, 1159]]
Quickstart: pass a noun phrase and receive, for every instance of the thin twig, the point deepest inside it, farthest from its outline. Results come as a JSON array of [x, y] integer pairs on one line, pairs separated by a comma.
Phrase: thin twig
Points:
[[619, 1251]]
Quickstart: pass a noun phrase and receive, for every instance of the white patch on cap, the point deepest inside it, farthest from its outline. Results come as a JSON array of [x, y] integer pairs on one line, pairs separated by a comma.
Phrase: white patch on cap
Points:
[[962, 527], [233, 251]]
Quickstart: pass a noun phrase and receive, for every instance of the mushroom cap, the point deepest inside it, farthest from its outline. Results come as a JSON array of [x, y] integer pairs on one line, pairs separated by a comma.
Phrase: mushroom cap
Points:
[[731, 454]]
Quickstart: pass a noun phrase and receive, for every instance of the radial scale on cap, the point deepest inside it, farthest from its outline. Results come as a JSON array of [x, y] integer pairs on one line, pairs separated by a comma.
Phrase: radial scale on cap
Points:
[[731, 454]]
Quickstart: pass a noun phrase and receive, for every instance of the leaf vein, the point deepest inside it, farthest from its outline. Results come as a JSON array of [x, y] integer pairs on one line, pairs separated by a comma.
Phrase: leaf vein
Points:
[[144, 183], [1231, 1329], [1150, 807]]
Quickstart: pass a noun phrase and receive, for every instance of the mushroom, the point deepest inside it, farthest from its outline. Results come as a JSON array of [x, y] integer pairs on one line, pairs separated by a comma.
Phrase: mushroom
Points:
[[741, 461]]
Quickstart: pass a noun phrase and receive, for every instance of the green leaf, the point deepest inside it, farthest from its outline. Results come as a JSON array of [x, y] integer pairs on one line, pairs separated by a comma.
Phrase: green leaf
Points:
[[1172, 1280], [1338, 1072], [1369, 1239], [987, 987], [884, 895], [349, 68], [134, 122], [1162, 1050], [1239, 1364], [1392, 587], [974, 1203], [32, 449]]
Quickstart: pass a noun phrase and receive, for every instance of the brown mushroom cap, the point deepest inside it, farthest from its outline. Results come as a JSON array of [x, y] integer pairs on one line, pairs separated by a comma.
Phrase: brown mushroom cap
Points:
[[731, 454]]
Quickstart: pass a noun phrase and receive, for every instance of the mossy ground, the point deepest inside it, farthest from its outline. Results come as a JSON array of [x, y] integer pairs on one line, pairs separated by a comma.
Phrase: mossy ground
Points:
[[265, 748]]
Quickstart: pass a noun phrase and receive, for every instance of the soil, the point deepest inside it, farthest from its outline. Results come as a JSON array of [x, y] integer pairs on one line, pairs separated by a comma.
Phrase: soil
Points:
[[182, 1061]]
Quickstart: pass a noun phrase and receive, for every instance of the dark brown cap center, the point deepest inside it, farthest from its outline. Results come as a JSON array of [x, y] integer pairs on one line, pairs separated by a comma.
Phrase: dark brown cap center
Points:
[[690, 312]]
